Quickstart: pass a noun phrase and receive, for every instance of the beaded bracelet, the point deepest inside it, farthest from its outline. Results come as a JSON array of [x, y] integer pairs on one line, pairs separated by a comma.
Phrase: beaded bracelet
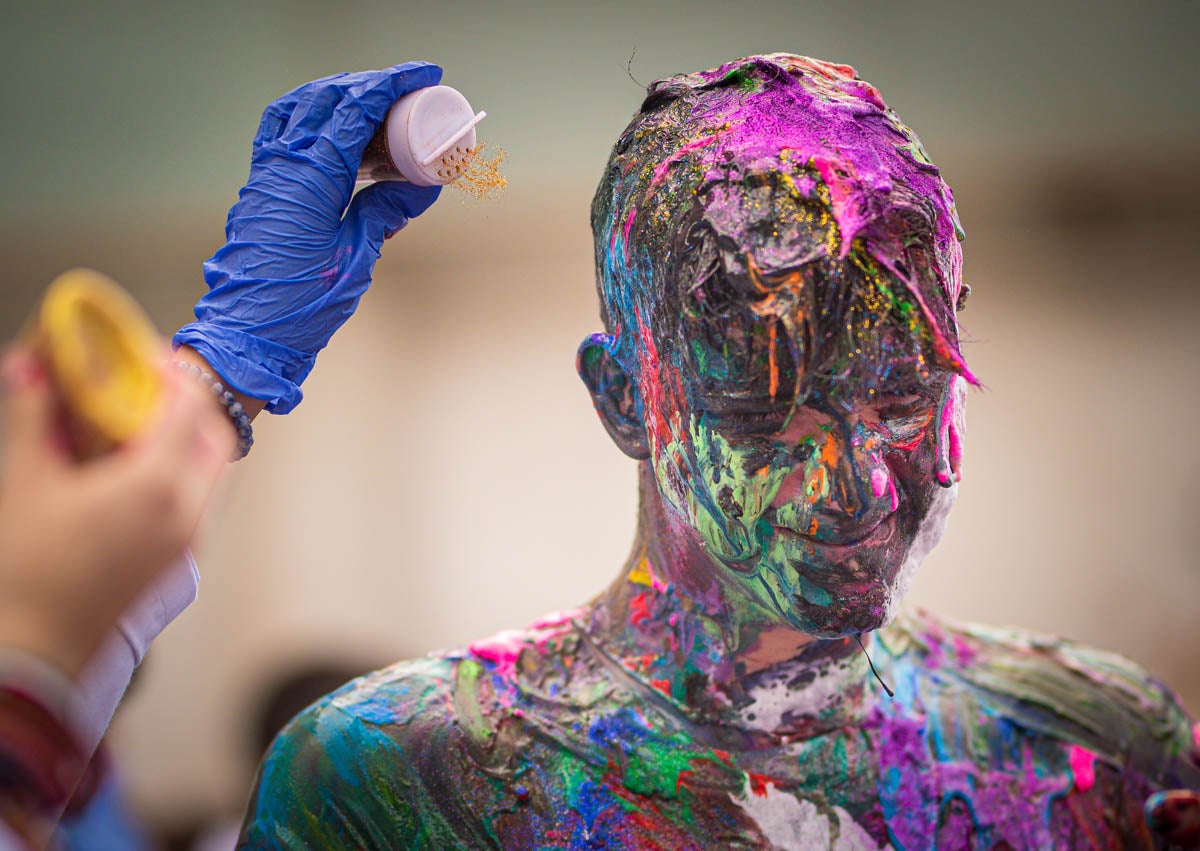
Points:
[[241, 420]]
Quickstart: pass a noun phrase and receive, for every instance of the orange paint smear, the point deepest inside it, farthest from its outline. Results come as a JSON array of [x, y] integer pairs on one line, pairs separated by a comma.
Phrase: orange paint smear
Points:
[[818, 484], [774, 385], [773, 307]]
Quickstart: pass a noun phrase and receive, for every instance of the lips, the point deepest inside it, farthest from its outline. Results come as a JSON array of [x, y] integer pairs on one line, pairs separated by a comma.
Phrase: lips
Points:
[[875, 535]]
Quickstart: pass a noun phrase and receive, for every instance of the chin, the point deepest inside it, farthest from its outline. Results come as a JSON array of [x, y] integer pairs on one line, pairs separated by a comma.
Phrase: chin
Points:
[[831, 603], [849, 612]]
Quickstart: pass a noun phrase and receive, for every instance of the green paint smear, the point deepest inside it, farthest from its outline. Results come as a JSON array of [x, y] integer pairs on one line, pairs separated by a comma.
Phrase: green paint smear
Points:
[[814, 593], [655, 768]]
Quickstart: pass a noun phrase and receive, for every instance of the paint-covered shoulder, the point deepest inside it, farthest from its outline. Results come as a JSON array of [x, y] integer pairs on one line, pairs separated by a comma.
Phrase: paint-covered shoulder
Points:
[[411, 691], [347, 771], [1079, 695], [407, 756]]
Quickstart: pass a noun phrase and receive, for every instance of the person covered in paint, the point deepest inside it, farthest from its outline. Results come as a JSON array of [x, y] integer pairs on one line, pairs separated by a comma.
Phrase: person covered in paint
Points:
[[778, 265]]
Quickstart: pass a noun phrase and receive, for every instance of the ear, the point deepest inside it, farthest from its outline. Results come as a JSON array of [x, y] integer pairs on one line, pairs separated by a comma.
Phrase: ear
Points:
[[615, 394]]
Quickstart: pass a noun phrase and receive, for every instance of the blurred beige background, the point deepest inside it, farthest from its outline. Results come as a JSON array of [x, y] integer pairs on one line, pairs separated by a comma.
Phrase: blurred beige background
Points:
[[445, 476]]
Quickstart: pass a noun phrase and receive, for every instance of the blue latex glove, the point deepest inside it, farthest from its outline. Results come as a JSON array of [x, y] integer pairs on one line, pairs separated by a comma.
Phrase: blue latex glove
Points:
[[297, 260]]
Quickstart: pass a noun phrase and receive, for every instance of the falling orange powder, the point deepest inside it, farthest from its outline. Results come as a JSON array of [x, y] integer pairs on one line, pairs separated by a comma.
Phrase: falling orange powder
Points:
[[478, 174]]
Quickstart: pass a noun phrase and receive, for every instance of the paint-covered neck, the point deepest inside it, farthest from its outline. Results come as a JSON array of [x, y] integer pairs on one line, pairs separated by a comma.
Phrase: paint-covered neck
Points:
[[676, 622]]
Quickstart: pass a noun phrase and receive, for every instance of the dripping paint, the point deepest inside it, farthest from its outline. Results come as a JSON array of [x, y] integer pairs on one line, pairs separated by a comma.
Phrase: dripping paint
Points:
[[779, 270]]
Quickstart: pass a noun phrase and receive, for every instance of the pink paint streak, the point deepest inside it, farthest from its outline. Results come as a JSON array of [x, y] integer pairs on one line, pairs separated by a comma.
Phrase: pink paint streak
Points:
[[661, 171], [879, 481], [504, 648], [955, 434], [963, 651], [945, 352], [846, 198], [627, 228], [655, 386], [1083, 766]]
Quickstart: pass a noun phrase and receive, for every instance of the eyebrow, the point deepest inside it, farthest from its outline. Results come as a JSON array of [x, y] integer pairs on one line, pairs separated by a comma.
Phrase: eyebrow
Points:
[[766, 271]]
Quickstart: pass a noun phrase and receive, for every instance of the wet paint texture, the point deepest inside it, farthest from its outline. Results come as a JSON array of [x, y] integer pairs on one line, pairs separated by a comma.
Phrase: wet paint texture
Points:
[[569, 748], [779, 267], [779, 273], [738, 161]]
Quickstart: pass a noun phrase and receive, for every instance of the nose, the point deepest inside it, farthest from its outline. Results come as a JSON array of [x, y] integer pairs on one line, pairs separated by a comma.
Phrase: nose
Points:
[[859, 491]]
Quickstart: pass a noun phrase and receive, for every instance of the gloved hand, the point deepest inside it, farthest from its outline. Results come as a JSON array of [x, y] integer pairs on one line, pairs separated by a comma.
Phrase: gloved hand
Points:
[[294, 266]]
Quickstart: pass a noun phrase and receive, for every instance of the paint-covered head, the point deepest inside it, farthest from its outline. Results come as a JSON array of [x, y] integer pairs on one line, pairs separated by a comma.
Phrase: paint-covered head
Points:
[[779, 272]]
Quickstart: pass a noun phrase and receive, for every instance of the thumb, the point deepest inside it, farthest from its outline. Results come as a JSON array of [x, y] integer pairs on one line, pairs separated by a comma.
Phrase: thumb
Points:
[[380, 210], [31, 410]]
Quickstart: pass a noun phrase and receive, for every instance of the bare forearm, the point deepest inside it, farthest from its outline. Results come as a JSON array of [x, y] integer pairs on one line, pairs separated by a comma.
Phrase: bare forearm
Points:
[[187, 354]]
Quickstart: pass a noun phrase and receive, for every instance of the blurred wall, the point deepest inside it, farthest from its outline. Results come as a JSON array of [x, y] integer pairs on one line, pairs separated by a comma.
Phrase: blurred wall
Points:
[[446, 477]]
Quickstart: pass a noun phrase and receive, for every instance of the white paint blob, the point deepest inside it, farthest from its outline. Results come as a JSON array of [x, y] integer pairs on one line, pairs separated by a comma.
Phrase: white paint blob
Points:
[[798, 825]]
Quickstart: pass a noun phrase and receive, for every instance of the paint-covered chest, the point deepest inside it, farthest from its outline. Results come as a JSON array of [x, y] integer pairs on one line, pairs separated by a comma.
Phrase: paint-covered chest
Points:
[[630, 776], [561, 749]]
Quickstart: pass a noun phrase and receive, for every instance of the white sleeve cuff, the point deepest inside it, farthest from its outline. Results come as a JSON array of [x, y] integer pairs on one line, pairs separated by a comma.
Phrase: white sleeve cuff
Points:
[[103, 681]]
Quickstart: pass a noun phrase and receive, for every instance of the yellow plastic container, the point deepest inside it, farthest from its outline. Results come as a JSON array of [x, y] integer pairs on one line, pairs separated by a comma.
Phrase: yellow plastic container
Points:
[[101, 350]]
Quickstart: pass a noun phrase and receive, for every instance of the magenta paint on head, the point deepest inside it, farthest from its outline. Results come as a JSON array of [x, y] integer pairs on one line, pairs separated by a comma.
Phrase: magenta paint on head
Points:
[[805, 111]]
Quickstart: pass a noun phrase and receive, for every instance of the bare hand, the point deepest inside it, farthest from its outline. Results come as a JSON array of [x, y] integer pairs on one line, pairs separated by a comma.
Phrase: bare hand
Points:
[[78, 542]]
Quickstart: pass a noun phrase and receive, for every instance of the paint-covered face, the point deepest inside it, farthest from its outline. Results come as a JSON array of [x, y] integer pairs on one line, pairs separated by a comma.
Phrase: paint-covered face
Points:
[[803, 473], [785, 299]]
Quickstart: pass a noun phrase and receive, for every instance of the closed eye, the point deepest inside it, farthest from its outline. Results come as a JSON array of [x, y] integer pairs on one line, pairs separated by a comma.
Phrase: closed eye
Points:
[[905, 418], [907, 426], [767, 421]]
